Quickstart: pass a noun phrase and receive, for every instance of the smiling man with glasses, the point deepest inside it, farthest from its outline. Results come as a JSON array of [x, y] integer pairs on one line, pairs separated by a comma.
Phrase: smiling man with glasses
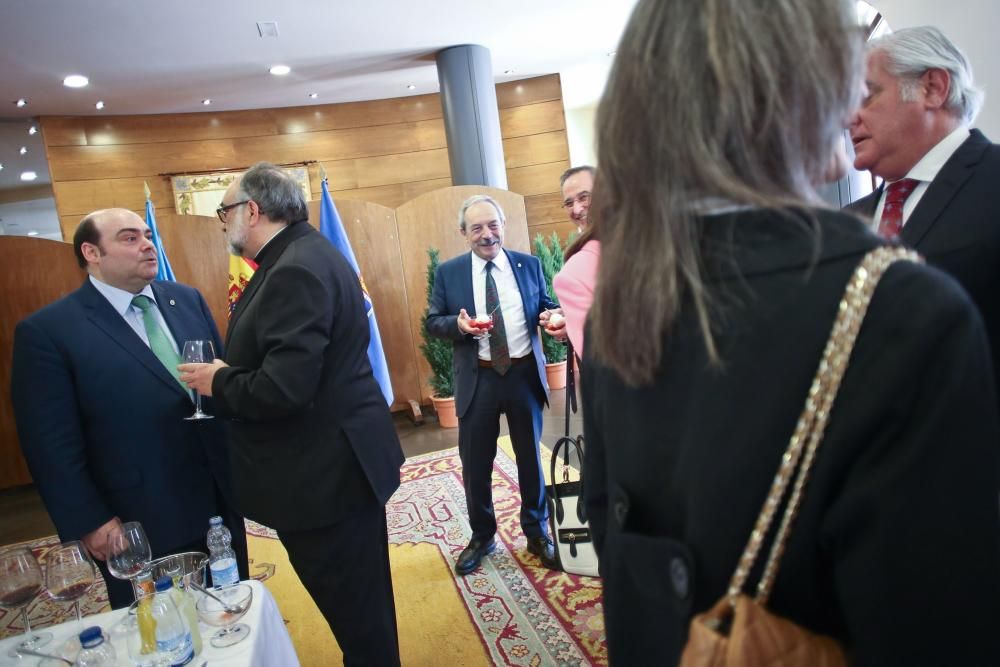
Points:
[[577, 184]]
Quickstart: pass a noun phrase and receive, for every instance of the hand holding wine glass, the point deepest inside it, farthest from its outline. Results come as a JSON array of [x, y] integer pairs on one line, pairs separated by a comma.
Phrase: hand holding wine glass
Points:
[[69, 574], [20, 581], [128, 551], [198, 352]]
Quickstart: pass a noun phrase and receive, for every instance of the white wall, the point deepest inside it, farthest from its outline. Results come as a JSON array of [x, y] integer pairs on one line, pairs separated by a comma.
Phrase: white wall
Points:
[[972, 25], [582, 86], [39, 215]]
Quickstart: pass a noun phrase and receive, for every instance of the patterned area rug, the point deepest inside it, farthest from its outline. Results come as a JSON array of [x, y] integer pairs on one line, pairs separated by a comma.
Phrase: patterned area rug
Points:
[[511, 611]]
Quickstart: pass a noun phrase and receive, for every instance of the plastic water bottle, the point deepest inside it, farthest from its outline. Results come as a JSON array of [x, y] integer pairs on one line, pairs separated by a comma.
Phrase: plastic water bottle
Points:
[[184, 600], [95, 652], [222, 561], [173, 639]]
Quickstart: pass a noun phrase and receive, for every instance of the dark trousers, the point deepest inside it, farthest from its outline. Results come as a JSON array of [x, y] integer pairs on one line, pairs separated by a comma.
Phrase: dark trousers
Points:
[[519, 395], [345, 568]]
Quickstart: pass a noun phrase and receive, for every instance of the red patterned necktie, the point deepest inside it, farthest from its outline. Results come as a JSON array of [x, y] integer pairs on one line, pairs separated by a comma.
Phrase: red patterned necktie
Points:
[[891, 223]]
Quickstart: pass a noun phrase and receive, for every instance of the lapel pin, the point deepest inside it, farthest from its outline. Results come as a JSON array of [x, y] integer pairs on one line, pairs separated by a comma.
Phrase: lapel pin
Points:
[[173, 303], [519, 265]]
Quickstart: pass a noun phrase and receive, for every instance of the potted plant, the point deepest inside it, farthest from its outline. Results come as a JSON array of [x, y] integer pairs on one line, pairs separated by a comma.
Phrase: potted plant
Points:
[[438, 353], [551, 257]]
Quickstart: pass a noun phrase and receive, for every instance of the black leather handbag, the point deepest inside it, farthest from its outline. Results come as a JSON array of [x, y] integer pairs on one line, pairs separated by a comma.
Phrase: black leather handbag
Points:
[[567, 513]]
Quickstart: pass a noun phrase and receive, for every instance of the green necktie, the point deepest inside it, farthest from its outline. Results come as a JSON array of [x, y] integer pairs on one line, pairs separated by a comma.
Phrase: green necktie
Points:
[[158, 341]]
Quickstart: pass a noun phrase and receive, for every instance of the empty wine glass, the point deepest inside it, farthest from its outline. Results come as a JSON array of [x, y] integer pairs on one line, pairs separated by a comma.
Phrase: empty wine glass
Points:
[[69, 574], [198, 352], [128, 552], [20, 581], [228, 605]]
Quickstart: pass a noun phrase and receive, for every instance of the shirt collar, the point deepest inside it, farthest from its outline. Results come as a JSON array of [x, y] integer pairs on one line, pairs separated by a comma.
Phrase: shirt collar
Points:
[[500, 263], [930, 164], [269, 240], [120, 300]]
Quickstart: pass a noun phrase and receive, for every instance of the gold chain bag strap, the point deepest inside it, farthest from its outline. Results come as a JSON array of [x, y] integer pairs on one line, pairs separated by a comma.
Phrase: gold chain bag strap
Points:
[[738, 630]]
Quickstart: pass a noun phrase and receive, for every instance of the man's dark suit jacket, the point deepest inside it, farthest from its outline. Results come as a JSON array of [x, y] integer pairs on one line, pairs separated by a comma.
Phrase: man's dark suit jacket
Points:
[[956, 227], [101, 420], [453, 291], [312, 437]]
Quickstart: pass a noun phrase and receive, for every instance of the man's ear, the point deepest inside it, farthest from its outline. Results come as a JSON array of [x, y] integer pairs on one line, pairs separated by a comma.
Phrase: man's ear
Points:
[[90, 252], [936, 84]]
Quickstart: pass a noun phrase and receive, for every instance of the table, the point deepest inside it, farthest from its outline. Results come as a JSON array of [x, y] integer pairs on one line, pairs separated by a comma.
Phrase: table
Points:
[[267, 646]]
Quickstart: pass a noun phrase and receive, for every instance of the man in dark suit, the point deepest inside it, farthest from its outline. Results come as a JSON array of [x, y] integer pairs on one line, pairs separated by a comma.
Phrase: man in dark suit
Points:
[[504, 373], [940, 193], [314, 451], [100, 410]]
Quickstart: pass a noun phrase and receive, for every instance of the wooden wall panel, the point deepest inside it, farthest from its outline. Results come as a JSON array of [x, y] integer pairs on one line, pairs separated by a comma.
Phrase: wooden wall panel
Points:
[[393, 195], [36, 273], [545, 208], [536, 179], [529, 91], [563, 229], [357, 114], [82, 197], [534, 149], [532, 119]]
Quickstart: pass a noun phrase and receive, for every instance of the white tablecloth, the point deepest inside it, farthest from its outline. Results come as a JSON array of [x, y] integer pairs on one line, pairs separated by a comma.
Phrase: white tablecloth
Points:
[[267, 646]]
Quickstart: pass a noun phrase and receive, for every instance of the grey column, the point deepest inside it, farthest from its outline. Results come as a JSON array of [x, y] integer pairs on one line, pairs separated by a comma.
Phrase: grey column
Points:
[[471, 119]]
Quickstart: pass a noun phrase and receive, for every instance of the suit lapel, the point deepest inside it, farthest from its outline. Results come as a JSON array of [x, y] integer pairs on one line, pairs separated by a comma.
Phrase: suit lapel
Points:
[[466, 295], [949, 181]]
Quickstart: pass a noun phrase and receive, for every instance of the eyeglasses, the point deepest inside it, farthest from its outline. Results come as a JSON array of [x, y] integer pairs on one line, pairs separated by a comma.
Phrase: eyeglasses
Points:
[[583, 199], [222, 210]]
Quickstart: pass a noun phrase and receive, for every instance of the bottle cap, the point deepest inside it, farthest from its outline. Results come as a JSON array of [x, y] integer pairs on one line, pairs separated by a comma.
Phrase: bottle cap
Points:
[[91, 637], [215, 521], [164, 584]]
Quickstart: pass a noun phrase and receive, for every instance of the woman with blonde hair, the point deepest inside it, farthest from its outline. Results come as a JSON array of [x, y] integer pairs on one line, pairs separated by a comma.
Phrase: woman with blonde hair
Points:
[[720, 278]]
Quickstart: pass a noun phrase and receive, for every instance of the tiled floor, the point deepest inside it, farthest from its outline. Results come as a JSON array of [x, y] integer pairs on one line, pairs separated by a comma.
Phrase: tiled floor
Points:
[[23, 517]]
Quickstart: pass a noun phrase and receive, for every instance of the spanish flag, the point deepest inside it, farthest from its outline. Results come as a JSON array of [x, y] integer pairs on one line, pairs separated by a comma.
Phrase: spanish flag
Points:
[[241, 271]]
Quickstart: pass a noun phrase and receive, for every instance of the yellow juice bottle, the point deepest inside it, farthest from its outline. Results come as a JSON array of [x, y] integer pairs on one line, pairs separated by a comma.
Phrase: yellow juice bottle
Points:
[[144, 614]]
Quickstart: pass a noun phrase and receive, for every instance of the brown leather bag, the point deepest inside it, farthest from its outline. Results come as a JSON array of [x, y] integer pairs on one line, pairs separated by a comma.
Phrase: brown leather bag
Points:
[[739, 631]]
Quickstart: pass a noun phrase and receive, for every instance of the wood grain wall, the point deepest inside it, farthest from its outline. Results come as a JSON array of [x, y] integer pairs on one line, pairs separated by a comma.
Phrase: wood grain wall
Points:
[[382, 151]]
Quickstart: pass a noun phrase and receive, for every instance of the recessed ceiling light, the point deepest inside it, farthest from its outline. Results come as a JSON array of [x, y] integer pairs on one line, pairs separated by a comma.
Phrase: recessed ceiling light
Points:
[[508, 71], [28, 175], [99, 105], [612, 53], [24, 149], [206, 102], [32, 130], [411, 87], [1, 166], [21, 102], [32, 233], [280, 70], [313, 95], [76, 81]]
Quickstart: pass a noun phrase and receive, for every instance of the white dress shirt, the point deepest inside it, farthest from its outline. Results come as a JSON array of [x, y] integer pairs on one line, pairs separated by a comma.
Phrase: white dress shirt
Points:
[[518, 339], [925, 171], [121, 301]]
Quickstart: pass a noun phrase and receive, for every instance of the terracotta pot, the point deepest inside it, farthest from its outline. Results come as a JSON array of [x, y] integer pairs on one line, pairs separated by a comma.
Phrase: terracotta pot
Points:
[[445, 409], [556, 375]]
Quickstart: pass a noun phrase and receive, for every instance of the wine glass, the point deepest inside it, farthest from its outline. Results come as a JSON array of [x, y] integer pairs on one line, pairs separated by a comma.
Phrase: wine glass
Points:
[[128, 552], [198, 352], [222, 609], [20, 581], [69, 574], [484, 323]]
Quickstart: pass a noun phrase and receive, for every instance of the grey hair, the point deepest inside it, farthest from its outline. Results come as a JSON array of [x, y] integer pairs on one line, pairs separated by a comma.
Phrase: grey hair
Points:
[[478, 199], [277, 195], [740, 100], [913, 51], [572, 171]]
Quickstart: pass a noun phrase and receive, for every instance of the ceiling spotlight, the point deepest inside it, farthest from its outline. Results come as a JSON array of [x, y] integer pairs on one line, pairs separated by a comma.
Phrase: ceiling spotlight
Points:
[[28, 175], [411, 87], [611, 53], [313, 96], [24, 149], [206, 102], [280, 70], [21, 102], [75, 81], [99, 105], [1, 166], [33, 233], [32, 130], [508, 71]]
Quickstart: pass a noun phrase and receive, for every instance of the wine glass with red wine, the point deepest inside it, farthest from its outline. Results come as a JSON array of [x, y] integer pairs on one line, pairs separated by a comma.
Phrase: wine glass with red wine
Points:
[[69, 574], [20, 581]]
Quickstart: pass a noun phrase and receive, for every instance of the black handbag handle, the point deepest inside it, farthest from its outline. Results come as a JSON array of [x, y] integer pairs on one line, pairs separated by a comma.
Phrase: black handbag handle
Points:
[[570, 387]]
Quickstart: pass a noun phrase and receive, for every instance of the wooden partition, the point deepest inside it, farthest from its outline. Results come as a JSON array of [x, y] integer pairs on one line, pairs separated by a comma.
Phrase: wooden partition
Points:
[[431, 221], [381, 151], [35, 272]]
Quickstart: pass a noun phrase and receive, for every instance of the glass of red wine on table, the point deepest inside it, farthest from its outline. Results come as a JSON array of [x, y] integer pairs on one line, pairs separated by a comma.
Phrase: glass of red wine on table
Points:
[[20, 582]]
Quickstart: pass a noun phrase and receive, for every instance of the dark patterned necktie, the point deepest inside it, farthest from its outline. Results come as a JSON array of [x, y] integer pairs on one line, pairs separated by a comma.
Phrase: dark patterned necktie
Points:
[[891, 223], [499, 352]]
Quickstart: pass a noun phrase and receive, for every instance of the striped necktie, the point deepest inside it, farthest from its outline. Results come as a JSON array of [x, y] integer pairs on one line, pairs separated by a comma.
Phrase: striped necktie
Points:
[[158, 341], [499, 352]]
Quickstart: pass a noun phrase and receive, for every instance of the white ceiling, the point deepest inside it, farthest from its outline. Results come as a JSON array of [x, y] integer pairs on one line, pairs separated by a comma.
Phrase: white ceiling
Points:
[[145, 57]]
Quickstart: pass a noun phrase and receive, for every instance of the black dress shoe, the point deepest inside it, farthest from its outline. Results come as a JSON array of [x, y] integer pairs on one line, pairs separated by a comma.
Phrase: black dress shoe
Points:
[[469, 559], [543, 548]]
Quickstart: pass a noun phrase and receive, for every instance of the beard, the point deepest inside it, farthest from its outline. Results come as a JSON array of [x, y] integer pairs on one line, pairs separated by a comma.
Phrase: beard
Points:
[[236, 238]]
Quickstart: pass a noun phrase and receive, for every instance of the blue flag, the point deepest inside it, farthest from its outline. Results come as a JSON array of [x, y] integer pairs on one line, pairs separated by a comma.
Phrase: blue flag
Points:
[[163, 270], [331, 227]]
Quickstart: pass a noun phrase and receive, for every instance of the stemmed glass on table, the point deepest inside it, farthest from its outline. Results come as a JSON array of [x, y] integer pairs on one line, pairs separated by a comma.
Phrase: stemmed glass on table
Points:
[[129, 552], [20, 581], [222, 609], [198, 352], [69, 574]]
